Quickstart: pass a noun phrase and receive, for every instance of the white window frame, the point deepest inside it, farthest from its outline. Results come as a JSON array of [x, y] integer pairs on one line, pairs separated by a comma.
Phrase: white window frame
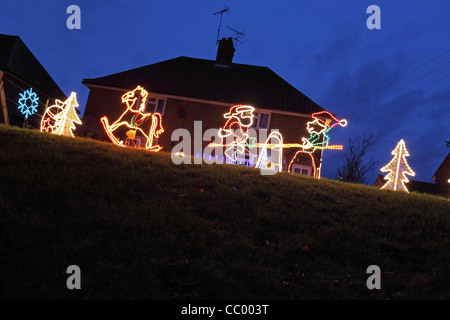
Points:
[[302, 167], [156, 105], [257, 119]]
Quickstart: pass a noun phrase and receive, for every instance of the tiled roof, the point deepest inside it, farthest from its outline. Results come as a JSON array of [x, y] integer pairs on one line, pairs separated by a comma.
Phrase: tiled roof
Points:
[[17, 59], [202, 79]]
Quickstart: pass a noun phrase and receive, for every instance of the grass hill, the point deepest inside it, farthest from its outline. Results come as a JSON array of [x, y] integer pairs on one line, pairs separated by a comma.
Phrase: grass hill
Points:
[[140, 227]]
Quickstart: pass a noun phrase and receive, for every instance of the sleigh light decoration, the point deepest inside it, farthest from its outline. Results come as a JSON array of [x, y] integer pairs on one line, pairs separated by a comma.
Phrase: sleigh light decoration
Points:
[[146, 125]]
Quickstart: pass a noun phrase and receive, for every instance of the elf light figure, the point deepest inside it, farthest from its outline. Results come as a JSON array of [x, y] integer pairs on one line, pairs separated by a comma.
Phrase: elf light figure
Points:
[[60, 118], [398, 168], [318, 138], [318, 131]]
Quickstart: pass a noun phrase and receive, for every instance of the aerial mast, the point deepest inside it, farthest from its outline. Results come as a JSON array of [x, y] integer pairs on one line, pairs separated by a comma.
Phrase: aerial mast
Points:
[[221, 12]]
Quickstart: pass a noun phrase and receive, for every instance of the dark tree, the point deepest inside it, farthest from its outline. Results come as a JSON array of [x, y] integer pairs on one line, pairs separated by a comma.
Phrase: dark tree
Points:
[[355, 167], [447, 142]]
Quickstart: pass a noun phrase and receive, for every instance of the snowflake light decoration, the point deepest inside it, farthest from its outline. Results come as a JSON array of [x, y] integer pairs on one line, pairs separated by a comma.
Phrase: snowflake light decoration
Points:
[[28, 102]]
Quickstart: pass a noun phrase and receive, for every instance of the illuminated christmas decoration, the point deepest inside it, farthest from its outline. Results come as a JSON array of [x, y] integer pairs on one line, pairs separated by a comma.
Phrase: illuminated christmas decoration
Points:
[[28, 102], [240, 119], [315, 172], [318, 138], [133, 118], [60, 118], [318, 129], [398, 168], [267, 163]]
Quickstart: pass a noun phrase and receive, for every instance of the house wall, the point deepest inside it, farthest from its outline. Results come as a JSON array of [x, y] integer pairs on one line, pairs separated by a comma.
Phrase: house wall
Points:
[[100, 102], [443, 173], [182, 113], [293, 129]]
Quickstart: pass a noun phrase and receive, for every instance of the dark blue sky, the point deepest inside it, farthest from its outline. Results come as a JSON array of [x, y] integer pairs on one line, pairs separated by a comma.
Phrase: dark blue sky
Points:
[[393, 83]]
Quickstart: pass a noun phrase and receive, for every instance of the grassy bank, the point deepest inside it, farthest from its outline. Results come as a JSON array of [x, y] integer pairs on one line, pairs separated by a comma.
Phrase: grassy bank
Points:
[[140, 227]]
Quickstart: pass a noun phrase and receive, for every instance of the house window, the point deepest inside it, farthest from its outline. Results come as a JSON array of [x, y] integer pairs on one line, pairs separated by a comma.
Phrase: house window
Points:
[[300, 169], [261, 120], [155, 105]]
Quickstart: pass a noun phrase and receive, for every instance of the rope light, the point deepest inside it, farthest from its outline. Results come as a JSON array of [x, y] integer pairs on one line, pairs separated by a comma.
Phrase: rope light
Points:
[[139, 117]]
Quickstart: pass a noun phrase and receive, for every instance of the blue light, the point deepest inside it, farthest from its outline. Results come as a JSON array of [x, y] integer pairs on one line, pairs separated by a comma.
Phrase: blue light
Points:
[[28, 102]]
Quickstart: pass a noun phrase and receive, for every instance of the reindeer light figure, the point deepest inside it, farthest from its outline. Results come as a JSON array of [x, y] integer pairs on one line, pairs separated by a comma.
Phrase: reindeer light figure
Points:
[[136, 104]]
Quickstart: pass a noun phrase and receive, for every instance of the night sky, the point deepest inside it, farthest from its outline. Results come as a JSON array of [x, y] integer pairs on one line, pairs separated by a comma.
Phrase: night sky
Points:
[[393, 83]]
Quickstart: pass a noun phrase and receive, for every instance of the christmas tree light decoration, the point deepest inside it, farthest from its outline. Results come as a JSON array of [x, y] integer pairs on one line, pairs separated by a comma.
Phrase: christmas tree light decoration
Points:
[[133, 117], [28, 102], [398, 168], [60, 118]]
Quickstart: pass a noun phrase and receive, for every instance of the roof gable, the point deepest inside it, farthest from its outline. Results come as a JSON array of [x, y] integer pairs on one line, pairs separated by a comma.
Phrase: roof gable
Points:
[[444, 164], [202, 79], [17, 59]]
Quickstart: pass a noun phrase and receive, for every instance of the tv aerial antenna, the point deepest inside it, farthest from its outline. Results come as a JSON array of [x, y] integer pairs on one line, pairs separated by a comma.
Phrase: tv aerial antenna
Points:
[[237, 36], [221, 12]]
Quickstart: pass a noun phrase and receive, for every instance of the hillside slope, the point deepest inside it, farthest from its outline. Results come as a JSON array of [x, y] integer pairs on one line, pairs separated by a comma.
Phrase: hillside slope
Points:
[[140, 227]]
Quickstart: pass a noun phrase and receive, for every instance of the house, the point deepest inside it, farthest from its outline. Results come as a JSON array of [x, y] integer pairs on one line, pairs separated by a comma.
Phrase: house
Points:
[[442, 175], [184, 90], [21, 71]]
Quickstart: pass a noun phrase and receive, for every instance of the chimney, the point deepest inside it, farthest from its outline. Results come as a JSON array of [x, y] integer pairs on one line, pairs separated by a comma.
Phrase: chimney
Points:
[[225, 52]]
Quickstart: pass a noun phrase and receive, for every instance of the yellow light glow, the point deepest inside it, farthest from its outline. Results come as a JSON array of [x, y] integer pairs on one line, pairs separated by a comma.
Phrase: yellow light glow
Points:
[[138, 118], [318, 138], [235, 123], [317, 128], [398, 168], [60, 118]]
